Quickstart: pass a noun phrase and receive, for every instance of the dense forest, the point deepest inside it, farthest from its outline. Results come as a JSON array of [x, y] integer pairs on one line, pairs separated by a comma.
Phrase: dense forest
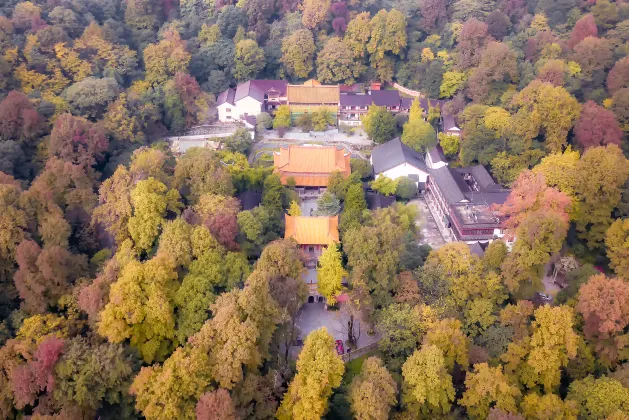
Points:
[[133, 285]]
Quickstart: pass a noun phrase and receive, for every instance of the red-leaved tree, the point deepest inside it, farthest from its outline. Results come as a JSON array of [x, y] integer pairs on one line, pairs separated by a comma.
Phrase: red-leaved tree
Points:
[[604, 304], [19, 119], [215, 405], [597, 126], [30, 379], [77, 140], [618, 76], [473, 39], [586, 26], [531, 194]]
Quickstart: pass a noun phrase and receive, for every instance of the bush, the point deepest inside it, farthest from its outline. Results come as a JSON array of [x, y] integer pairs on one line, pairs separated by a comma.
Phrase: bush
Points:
[[304, 122], [406, 188], [384, 185], [361, 167], [264, 121]]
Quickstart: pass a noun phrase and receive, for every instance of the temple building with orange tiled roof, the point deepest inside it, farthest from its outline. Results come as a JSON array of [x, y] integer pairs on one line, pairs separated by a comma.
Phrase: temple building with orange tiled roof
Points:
[[312, 234], [310, 166]]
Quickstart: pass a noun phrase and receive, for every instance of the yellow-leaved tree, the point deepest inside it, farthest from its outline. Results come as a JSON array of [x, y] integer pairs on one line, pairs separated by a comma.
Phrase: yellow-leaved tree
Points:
[[319, 371], [330, 274]]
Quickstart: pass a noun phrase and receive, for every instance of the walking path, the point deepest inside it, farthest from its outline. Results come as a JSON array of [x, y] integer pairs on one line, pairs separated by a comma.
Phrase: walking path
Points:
[[430, 232]]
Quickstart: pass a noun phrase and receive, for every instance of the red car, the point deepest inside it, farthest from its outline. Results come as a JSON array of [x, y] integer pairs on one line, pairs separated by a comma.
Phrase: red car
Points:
[[339, 347]]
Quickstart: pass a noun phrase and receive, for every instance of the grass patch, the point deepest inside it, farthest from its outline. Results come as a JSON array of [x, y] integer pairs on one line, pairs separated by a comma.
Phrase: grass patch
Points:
[[352, 368]]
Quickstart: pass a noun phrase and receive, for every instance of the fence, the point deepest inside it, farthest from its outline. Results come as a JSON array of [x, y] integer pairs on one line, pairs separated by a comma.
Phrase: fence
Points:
[[407, 91], [354, 354]]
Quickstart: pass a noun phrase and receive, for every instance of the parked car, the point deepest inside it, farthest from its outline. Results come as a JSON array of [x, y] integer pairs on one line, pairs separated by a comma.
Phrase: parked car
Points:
[[339, 347]]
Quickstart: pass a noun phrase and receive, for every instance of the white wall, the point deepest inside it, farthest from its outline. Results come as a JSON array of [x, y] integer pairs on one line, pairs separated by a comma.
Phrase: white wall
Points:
[[404, 170], [249, 106], [223, 114], [244, 106], [434, 165]]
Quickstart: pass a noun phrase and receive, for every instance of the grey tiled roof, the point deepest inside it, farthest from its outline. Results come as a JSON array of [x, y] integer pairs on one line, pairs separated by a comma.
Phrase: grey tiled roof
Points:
[[258, 88], [436, 154], [447, 184], [352, 99], [393, 153], [226, 96], [476, 248], [482, 177], [385, 97]]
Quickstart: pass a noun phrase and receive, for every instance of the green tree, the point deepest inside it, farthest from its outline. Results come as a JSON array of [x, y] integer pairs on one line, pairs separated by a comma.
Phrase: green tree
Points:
[[355, 204], [617, 246], [304, 122], [548, 110], [373, 391], [379, 124], [406, 188], [90, 375], [298, 52], [427, 384], [362, 167], [336, 63], [150, 199], [200, 171], [387, 36], [495, 255], [249, 60], [319, 371], [330, 274], [90, 96], [600, 174], [239, 142], [599, 398], [294, 209], [141, 308], [449, 144], [264, 122], [402, 328], [171, 390], [327, 205], [321, 118], [282, 117], [452, 82], [419, 135], [384, 185]]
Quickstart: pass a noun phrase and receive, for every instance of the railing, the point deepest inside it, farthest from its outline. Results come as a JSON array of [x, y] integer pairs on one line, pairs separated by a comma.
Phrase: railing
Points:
[[354, 354]]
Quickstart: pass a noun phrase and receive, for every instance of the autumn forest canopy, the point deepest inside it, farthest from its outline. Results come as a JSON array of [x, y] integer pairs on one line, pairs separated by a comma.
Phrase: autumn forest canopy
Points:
[[133, 283]]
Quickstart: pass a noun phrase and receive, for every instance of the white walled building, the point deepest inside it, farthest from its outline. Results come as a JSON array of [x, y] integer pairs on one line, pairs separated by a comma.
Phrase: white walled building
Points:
[[250, 98], [394, 159]]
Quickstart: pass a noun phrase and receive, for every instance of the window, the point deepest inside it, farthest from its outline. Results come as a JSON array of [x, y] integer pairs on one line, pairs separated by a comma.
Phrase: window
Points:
[[311, 249], [228, 117], [228, 110]]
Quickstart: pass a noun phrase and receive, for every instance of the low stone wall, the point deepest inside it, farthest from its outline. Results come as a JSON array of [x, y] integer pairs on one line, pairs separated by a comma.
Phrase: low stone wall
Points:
[[410, 92]]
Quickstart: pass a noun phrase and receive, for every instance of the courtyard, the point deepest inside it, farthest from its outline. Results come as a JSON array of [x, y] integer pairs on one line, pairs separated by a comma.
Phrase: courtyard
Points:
[[313, 316]]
